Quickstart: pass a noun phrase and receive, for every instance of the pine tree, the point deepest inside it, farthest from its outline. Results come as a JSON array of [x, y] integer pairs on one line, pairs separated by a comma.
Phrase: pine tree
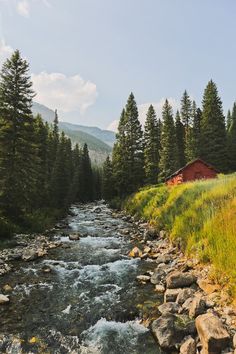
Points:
[[180, 141], [119, 157], [186, 118], [41, 161], [213, 132], [86, 191], [228, 120], [17, 150], [168, 162], [107, 180], [232, 140], [151, 147], [134, 138], [196, 133]]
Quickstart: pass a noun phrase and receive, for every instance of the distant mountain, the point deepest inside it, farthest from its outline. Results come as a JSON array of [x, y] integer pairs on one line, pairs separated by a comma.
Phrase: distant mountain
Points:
[[106, 136], [99, 141]]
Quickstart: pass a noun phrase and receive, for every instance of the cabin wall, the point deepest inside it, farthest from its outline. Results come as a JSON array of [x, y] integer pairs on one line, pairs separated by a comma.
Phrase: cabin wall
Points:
[[198, 170], [193, 172], [178, 179]]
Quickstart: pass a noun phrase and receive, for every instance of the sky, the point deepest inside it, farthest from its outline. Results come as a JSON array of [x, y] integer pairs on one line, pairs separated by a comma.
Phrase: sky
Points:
[[86, 56]]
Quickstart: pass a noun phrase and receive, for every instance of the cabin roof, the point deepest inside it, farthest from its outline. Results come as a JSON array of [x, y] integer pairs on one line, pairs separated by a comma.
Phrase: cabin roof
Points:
[[189, 164]]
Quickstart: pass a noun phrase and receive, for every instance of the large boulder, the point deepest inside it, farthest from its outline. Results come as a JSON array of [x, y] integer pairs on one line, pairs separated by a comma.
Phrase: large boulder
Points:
[[184, 294], [213, 336], [180, 280], [169, 307], [157, 276], [170, 330], [197, 307], [171, 295]]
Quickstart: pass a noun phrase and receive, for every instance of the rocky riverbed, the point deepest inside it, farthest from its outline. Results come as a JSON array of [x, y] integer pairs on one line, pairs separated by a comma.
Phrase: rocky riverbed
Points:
[[100, 282], [195, 316]]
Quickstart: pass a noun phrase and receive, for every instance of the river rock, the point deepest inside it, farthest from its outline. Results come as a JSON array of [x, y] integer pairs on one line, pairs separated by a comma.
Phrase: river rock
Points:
[[29, 255], [147, 249], [188, 347], [184, 294], [143, 278], [160, 289], [4, 268], [180, 280], [234, 341], [170, 330], [186, 305], [97, 210], [163, 259], [213, 335], [198, 307], [74, 237], [171, 295], [46, 269], [135, 252], [157, 276], [7, 288], [3, 299], [169, 307]]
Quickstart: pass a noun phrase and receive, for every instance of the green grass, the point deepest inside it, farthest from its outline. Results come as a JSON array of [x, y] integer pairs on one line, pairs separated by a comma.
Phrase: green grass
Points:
[[200, 216]]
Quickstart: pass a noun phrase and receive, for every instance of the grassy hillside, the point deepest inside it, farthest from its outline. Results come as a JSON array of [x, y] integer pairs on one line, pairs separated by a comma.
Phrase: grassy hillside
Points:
[[200, 216]]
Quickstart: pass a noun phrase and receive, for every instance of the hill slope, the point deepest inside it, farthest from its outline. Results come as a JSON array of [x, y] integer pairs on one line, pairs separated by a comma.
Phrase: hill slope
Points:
[[98, 147], [200, 217], [106, 136]]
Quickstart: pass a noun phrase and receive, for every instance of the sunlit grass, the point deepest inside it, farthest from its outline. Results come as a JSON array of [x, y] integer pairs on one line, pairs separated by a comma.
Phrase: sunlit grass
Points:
[[201, 216]]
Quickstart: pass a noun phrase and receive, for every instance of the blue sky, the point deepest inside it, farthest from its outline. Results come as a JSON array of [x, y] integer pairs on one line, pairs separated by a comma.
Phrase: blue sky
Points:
[[86, 56]]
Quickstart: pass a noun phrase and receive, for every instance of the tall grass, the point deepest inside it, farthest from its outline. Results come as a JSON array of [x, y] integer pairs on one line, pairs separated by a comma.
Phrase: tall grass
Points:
[[200, 216]]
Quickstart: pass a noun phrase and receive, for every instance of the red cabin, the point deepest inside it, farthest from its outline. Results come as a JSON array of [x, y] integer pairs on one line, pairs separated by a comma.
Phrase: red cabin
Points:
[[194, 170]]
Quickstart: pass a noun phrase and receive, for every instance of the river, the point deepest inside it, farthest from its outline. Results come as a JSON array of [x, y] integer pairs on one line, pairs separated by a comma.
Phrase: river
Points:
[[89, 301]]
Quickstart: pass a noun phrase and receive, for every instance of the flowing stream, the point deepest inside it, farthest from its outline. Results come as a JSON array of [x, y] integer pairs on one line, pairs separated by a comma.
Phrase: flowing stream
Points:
[[89, 301]]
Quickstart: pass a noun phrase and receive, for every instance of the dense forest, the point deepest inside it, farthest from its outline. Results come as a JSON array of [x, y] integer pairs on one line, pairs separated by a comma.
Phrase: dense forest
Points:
[[150, 156], [41, 173]]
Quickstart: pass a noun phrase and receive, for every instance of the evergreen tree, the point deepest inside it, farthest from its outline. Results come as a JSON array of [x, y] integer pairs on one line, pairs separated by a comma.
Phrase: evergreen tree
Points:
[[168, 161], [151, 147], [232, 140], [60, 180], [107, 183], [186, 118], [134, 140], [180, 141], [41, 161], [213, 132], [86, 190], [196, 133], [17, 150], [228, 120], [119, 157]]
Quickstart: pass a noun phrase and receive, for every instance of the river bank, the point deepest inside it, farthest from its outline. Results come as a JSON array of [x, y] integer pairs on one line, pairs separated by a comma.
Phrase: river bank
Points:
[[196, 315]]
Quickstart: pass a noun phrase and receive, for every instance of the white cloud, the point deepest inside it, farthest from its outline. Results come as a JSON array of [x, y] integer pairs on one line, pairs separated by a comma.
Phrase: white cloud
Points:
[[66, 93], [143, 108], [23, 8], [5, 51], [113, 125]]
